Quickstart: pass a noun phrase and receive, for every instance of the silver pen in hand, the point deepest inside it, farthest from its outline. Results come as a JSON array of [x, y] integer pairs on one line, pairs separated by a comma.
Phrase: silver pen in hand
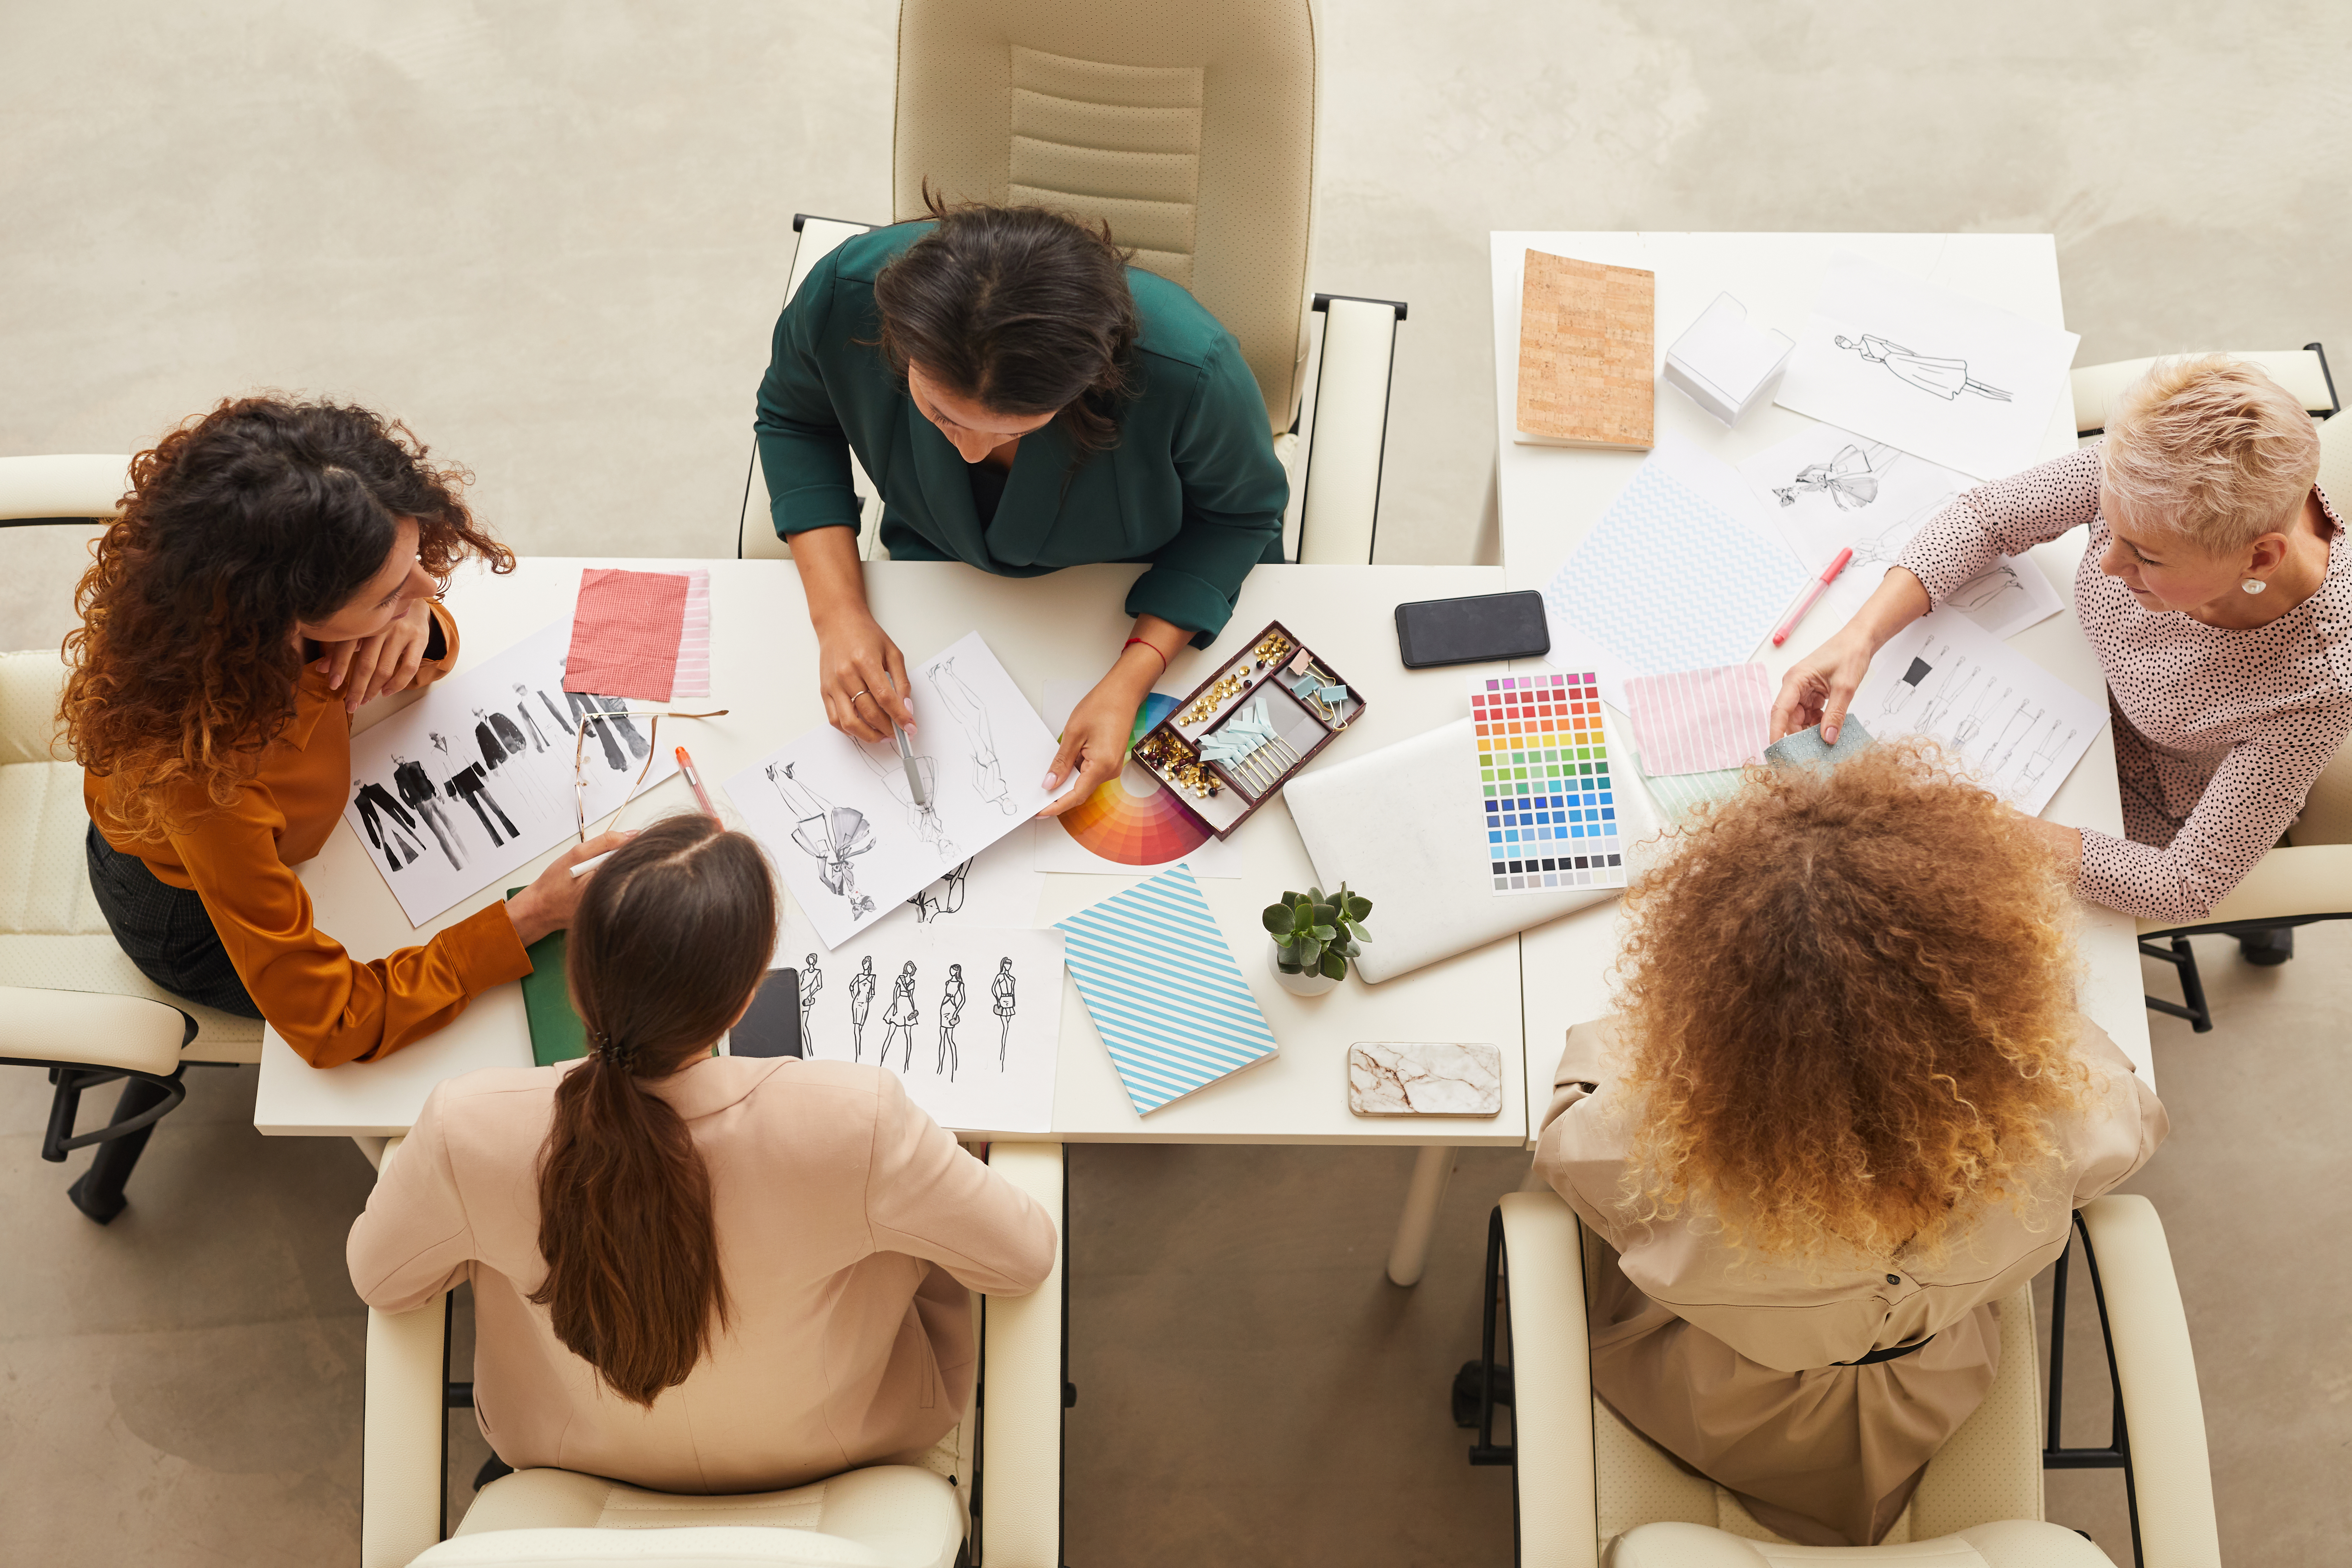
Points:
[[907, 755]]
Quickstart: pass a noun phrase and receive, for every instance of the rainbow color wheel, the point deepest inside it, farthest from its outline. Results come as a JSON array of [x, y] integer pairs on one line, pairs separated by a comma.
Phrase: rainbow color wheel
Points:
[[1133, 818]]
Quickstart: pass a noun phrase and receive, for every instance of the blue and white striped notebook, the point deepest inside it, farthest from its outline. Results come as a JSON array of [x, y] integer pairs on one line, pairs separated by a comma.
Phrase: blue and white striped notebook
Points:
[[1163, 988]]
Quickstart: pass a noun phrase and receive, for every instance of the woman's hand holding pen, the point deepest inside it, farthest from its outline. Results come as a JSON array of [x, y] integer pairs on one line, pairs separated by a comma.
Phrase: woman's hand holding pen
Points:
[[861, 674]]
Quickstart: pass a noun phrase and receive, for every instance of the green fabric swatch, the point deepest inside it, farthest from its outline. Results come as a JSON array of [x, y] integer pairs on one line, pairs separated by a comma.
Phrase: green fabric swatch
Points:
[[1679, 794]]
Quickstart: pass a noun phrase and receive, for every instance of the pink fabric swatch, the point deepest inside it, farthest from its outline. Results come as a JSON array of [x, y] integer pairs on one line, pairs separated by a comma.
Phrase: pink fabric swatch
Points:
[[624, 634], [1700, 721], [694, 641]]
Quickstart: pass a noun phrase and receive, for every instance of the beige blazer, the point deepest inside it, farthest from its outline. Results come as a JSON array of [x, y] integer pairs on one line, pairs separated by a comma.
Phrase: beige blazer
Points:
[[1727, 1359], [849, 1226]]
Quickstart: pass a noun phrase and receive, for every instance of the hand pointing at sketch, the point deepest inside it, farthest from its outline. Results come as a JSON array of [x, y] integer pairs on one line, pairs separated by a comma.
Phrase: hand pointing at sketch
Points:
[[1820, 687]]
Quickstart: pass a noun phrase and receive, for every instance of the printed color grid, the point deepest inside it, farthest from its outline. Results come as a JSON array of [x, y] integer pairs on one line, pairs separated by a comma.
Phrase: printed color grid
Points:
[[1543, 765]]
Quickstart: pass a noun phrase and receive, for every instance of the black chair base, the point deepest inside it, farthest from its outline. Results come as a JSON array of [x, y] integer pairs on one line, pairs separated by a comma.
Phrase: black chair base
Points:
[[97, 1191], [2266, 949]]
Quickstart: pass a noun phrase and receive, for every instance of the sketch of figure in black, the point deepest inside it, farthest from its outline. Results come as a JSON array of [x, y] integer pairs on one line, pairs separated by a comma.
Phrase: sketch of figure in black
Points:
[[472, 785], [901, 1016], [971, 716], [499, 738], [1000, 988], [615, 706], [416, 788], [832, 834], [2038, 762], [1918, 671], [887, 765], [950, 1010], [522, 706], [1975, 720], [1946, 378], [1850, 479], [812, 982], [385, 831], [585, 711], [861, 1001], [946, 900], [1948, 692], [562, 725]]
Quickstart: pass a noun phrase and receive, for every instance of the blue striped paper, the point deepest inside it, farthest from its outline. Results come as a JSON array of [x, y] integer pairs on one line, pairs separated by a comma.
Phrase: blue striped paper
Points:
[[1165, 994]]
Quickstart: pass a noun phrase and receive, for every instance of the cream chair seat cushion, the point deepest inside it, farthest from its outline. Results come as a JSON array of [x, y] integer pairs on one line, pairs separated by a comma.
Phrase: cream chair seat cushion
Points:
[[2010, 1543], [889, 1516], [52, 934]]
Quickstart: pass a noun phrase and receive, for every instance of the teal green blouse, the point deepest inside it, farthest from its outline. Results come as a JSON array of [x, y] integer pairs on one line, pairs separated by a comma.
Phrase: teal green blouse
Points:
[[1192, 484]]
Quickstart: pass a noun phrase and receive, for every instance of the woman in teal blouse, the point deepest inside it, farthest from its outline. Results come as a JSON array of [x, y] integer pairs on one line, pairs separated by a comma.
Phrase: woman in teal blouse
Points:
[[1024, 401]]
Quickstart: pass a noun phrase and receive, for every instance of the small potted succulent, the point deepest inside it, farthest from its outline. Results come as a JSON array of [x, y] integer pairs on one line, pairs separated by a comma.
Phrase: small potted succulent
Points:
[[1314, 938]]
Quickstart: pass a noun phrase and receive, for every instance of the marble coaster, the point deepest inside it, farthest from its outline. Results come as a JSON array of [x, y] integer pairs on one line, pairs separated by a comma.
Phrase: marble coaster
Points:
[[1422, 1079]]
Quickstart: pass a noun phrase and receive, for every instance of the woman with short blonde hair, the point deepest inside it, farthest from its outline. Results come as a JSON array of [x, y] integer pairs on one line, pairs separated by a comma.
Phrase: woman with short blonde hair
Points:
[[1847, 1107], [2214, 599]]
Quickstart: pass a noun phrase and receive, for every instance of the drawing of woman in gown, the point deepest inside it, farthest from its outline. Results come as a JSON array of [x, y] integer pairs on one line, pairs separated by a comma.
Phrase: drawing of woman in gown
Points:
[[1850, 479], [987, 774], [901, 1016], [1000, 988], [1946, 378], [950, 1010], [829, 833], [924, 819]]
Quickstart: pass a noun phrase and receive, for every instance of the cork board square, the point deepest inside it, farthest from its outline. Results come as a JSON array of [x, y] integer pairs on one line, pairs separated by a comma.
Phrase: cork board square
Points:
[[1587, 348]]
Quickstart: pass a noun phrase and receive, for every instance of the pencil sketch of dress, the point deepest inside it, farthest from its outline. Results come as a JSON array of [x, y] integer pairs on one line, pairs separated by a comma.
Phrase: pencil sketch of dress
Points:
[[1850, 479], [831, 835], [950, 1010], [887, 766], [384, 818], [416, 789], [1946, 378], [965, 706], [929, 906], [1000, 988], [812, 980], [861, 1001], [901, 1019]]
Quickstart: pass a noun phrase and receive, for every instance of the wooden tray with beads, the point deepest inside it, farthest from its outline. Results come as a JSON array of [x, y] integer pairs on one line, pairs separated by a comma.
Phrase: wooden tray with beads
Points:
[[1295, 685]]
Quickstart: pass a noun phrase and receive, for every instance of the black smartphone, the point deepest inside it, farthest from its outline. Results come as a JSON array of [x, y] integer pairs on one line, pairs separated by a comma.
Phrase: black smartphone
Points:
[[772, 1027], [1474, 630]]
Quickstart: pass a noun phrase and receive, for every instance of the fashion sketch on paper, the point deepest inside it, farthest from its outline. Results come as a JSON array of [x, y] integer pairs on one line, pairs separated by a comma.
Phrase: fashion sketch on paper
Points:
[[1947, 692], [812, 980], [399, 848], [832, 834], [1946, 378], [1001, 990], [2013, 733], [1976, 718], [471, 784], [499, 739], [1917, 671], [944, 896], [418, 791], [1850, 479], [861, 1002], [950, 1010], [2038, 761], [887, 766], [522, 707], [900, 1020], [972, 715]]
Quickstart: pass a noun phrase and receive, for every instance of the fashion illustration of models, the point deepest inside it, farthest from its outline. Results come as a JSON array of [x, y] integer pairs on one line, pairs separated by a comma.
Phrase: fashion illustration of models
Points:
[[416, 789], [950, 1010], [1000, 988], [971, 716], [374, 798], [1946, 378], [861, 1002], [811, 980], [472, 785], [924, 819], [522, 707], [831, 835], [1850, 479], [901, 1019], [929, 905]]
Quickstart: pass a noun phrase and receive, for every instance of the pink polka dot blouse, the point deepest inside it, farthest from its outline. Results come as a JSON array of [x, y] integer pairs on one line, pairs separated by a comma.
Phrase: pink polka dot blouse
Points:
[[2219, 733]]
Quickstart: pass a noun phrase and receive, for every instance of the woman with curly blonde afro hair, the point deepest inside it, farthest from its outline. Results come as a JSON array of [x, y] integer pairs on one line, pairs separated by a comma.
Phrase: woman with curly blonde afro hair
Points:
[[277, 565], [1847, 1106]]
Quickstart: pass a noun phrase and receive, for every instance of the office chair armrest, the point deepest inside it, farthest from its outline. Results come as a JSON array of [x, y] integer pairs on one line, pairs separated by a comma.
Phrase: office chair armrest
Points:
[[2156, 1378], [72, 488], [1023, 1364], [92, 1029], [1342, 478], [1552, 1383], [404, 1433], [2287, 884]]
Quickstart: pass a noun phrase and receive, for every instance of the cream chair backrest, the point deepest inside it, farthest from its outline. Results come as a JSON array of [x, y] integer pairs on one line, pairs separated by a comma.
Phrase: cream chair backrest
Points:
[[1189, 128], [2327, 811]]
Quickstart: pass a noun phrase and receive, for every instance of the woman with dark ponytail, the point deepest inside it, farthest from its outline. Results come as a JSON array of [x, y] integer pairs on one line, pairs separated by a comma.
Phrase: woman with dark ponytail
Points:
[[692, 1272]]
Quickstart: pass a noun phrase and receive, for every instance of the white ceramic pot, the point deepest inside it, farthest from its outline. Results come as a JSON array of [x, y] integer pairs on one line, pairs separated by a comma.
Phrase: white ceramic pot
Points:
[[1313, 985]]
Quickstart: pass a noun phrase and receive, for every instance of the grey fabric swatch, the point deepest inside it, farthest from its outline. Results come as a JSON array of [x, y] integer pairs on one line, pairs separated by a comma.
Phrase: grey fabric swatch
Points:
[[1804, 748]]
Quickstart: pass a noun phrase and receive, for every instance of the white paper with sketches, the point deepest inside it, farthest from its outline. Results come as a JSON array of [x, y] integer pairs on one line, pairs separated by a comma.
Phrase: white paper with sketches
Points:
[[998, 886], [2013, 724], [1931, 371], [841, 820], [1829, 490], [474, 779]]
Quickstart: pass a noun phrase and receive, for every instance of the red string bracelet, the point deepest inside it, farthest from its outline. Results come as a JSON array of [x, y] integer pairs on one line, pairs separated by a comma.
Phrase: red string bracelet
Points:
[[1134, 642]]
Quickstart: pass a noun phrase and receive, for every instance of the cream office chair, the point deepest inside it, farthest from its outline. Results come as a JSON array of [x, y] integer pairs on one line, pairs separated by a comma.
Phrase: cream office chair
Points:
[[2303, 371], [993, 1487], [1191, 129], [2308, 878], [70, 1001], [1589, 1490]]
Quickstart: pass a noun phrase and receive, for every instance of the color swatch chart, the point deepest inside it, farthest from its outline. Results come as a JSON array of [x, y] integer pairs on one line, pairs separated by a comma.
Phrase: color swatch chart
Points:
[[1543, 767]]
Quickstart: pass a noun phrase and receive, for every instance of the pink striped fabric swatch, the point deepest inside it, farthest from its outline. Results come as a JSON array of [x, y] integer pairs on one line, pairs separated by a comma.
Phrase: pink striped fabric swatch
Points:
[[1698, 721], [626, 634], [694, 641]]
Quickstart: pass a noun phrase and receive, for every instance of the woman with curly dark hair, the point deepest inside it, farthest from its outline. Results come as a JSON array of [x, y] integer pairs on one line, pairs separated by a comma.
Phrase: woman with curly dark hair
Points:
[[1026, 401], [276, 565], [1848, 1106]]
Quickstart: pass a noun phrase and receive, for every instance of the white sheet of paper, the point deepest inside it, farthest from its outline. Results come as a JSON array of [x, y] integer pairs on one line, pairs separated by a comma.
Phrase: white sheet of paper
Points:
[[437, 845], [978, 1049], [2016, 726], [1133, 815], [1927, 368], [839, 817], [1829, 490]]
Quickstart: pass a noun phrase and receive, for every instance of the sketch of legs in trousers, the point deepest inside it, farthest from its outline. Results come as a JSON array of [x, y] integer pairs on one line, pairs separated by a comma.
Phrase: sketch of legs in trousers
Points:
[[951, 1010], [2038, 762], [924, 819], [1975, 720], [1948, 693], [971, 716], [1917, 671], [1946, 378], [563, 726], [522, 706], [615, 706], [410, 779], [2014, 728], [1002, 989]]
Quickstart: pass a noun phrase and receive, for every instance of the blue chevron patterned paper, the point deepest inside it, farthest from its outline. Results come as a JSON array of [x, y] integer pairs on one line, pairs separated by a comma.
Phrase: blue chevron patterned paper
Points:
[[1163, 988]]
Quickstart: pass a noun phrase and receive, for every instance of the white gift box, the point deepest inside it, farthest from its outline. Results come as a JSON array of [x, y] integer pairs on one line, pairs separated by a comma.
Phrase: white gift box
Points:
[[1723, 363]]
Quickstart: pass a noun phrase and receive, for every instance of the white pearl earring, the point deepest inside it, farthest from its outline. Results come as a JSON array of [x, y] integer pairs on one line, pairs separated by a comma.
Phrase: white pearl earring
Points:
[[2254, 584]]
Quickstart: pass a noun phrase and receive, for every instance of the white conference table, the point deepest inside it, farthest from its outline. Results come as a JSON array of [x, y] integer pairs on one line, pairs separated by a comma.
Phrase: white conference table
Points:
[[1549, 498], [1068, 625]]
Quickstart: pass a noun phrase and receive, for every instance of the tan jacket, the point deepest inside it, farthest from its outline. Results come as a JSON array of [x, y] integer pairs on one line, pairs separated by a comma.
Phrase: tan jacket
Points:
[[1727, 1360], [850, 1224]]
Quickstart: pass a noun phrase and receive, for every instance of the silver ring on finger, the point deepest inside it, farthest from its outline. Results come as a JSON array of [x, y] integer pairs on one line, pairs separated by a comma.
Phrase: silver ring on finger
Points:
[[861, 691]]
